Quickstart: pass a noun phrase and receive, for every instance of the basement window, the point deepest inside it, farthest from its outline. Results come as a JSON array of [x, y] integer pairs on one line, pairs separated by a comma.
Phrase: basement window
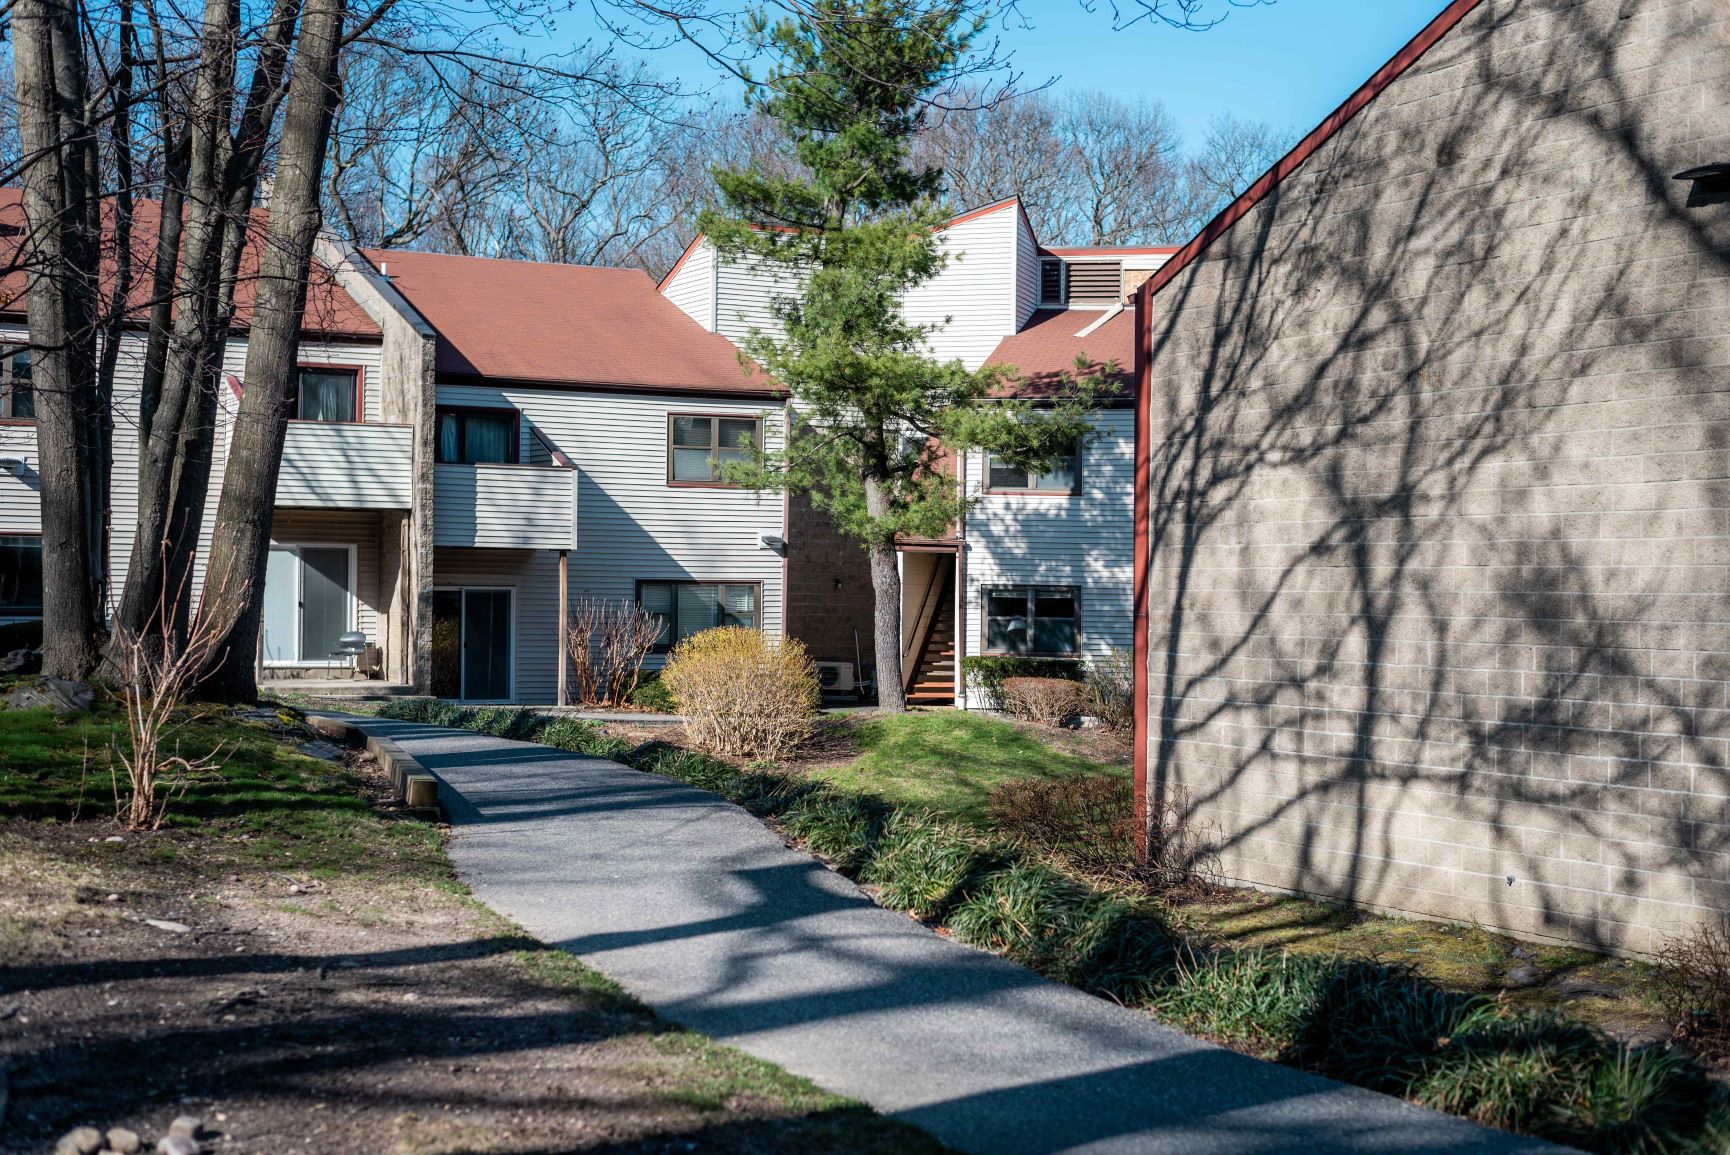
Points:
[[1033, 621]]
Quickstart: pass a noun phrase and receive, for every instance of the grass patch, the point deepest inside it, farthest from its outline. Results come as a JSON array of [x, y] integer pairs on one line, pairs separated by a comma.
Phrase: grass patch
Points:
[[950, 762]]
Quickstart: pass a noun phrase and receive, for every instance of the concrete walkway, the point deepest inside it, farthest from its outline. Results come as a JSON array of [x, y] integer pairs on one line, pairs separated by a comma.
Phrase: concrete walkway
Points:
[[701, 912]]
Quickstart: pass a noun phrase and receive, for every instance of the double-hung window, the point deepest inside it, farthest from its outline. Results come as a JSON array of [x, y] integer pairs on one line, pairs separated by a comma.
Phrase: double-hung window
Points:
[[21, 576], [699, 446], [477, 436], [326, 393], [1062, 477], [16, 400], [686, 608], [1039, 620]]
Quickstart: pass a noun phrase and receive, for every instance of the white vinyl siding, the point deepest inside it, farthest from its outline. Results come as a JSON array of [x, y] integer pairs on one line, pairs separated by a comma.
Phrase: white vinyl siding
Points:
[[1086, 542], [1027, 272], [632, 525], [692, 285], [972, 302], [336, 465], [504, 506], [20, 484], [746, 291]]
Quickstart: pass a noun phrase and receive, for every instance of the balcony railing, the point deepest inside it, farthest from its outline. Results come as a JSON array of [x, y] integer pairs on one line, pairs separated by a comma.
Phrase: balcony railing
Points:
[[335, 465], [505, 506]]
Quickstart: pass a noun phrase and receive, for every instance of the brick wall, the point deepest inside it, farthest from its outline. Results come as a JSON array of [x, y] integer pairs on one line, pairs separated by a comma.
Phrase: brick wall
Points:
[[828, 586], [1441, 512]]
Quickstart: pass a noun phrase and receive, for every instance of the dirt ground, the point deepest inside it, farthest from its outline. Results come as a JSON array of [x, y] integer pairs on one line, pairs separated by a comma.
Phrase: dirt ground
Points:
[[296, 1009]]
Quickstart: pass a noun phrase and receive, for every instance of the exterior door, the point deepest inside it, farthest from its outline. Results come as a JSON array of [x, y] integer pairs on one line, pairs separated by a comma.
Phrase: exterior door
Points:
[[472, 644], [308, 603]]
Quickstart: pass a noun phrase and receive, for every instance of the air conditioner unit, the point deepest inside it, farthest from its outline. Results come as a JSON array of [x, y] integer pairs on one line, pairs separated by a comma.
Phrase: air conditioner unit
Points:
[[836, 677]]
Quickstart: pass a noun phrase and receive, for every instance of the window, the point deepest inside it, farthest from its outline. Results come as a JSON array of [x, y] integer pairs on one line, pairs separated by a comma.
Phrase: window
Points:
[[1051, 281], [477, 436], [1032, 620], [1063, 476], [16, 400], [326, 394], [21, 575], [697, 447], [687, 608]]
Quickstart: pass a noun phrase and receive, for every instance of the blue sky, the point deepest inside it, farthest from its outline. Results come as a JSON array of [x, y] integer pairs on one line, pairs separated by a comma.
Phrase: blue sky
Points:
[[1288, 63]]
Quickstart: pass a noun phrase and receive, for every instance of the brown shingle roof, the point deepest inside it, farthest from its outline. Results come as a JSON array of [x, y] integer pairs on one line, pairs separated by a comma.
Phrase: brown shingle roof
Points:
[[1044, 352], [330, 311], [574, 325]]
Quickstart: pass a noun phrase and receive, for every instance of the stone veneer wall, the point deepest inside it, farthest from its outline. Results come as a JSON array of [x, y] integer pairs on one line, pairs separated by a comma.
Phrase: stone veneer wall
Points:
[[1440, 586]]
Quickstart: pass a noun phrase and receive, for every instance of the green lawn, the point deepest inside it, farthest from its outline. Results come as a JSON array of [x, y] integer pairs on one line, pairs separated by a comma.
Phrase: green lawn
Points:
[[950, 761]]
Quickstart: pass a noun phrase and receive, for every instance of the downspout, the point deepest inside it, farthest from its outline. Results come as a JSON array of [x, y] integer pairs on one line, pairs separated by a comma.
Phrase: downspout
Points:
[[1142, 399]]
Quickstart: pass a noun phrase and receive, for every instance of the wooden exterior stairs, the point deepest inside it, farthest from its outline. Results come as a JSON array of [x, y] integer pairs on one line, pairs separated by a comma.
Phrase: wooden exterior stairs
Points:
[[931, 676]]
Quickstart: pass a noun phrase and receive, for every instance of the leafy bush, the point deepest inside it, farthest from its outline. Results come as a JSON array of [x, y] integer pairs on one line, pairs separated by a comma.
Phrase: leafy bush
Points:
[[652, 694], [1695, 988], [1111, 689], [985, 673], [1046, 701], [743, 694]]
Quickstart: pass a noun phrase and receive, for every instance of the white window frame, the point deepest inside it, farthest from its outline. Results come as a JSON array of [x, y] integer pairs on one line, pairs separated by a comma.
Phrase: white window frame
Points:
[[326, 662]]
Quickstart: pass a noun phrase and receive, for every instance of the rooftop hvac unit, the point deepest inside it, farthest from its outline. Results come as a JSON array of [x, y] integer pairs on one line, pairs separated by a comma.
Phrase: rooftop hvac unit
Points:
[[836, 677]]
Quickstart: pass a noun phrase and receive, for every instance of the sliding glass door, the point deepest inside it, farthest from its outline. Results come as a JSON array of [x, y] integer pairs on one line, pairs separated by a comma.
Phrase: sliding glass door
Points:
[[473, 647], [308, 603]]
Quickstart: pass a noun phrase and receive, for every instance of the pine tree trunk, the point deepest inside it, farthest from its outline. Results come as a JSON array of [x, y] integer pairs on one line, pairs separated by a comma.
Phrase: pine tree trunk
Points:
[[886, 613], [61, 253], [239, 548]]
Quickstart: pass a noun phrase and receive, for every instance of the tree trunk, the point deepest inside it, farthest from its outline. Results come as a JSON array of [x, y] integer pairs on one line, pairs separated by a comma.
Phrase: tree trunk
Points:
[[886, 614], [194, 352], [61, 255], [239, 548]]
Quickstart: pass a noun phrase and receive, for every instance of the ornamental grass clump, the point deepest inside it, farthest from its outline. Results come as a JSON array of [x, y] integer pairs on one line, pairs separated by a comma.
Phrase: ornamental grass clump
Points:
[[922, 864], [1035, 915], [841, 828], [744, 695]]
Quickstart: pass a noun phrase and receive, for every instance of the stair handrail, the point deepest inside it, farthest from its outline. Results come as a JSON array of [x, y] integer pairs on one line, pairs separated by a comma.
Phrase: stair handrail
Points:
[[922, 627]]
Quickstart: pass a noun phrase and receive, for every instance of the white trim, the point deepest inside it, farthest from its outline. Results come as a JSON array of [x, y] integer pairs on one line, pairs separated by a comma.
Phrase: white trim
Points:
[[510, 643], [353, 549]]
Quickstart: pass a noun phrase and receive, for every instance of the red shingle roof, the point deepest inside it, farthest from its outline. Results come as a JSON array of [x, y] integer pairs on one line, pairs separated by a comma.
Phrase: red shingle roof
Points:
[[330, 311], [1044, 352], [573, 325]]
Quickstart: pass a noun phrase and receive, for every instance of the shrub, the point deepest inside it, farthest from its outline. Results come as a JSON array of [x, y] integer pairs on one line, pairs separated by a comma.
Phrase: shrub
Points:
[[743, 694], [1046, 701], [1041, 919], [1111, 689], [984, 674], [652, 694], [1085, 819], [1694, 988], [921, 864], [608, 640]]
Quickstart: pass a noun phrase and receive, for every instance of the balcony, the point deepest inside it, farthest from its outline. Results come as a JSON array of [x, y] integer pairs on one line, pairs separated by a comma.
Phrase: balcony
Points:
[[338, 465], [505, 506]]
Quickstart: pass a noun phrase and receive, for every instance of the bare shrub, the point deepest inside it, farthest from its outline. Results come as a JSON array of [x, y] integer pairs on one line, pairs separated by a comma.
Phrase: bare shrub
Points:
[[744, 695], [1694, 988], [1046, 701], [1111, 689], [159, 668], [1088, 822], [608, 641]]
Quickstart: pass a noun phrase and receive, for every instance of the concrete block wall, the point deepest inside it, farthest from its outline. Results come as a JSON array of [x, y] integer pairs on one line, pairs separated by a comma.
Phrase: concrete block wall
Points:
[[1440, 586]]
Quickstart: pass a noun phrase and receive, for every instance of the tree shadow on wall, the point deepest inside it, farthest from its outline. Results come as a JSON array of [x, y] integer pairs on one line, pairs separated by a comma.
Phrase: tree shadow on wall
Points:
[[1438, 484]]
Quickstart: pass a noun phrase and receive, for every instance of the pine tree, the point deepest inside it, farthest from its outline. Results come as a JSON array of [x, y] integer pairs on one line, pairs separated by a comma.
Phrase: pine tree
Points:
[[877, 416]]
